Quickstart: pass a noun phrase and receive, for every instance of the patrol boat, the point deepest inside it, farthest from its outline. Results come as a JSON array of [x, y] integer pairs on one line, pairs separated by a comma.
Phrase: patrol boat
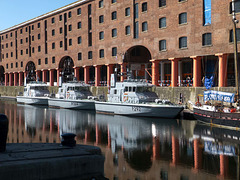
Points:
[[72, 95], [135, 97], [35, 93]]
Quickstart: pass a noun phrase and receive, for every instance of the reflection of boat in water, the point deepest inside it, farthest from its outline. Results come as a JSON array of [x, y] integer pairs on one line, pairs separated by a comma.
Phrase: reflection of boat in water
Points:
[[73, 95], [130, 132], [218, 140], [35, 93], [34, 116], [222, 146], [136, 98], [74, 121]]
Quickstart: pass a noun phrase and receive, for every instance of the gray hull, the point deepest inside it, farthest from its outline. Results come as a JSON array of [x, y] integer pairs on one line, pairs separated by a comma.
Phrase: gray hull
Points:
[[71, 104], [32, 100], [163, 111]]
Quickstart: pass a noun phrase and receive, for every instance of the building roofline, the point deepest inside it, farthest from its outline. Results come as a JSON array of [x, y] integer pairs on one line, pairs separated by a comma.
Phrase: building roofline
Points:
[[45, 15]]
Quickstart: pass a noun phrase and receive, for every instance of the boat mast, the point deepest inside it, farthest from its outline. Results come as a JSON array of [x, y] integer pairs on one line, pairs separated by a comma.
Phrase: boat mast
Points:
[[235, 21]]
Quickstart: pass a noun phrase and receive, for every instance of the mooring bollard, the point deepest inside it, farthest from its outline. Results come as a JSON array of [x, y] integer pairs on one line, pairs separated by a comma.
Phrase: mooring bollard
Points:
[[3, 132], [68, 139]]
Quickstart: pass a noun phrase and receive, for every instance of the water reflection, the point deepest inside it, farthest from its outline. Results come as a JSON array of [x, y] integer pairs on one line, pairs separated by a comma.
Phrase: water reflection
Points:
[[134, 148]]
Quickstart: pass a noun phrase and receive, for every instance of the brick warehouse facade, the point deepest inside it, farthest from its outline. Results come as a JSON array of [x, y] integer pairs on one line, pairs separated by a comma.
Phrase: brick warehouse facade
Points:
[[169, 42]]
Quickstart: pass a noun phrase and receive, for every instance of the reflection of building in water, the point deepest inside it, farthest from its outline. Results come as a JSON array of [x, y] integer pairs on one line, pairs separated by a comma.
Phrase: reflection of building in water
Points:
[[134, 148], [30, 124]]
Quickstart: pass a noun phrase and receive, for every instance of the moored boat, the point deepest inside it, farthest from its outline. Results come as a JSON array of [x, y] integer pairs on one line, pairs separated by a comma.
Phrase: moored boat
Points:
[[135, 98], [35, 93], [216, 113], [72, 95]]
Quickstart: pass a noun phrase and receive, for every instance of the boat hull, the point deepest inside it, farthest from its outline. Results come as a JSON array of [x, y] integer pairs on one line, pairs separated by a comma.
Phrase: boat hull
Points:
[[71, 104], [221, 119], [32, 100], [163, 111]]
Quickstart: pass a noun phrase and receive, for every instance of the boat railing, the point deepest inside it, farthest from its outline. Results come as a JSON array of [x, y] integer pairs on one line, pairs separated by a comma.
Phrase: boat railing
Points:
[[220, 115], [103, 83], [143, 99], [181, 83]]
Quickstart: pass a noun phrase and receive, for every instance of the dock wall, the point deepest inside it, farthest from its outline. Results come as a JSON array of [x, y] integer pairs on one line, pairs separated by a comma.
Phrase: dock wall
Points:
[[171, 93]]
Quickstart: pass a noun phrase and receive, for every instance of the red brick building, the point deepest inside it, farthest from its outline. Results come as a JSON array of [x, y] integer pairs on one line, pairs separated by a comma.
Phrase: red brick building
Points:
[[165, 41]]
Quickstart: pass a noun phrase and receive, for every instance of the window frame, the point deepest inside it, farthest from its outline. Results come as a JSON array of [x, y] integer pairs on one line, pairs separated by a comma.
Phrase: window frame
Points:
[[163, 47], [127, 30], [182, 18], [90, 55], [144, 7], [127, 12], [100, 4], [162, 3], [144, 26], [101, 35], [114, 15], [114, 51], [182, 42], [161, 22], [101, 53], [207, 39], [101, 19], [114, 32]]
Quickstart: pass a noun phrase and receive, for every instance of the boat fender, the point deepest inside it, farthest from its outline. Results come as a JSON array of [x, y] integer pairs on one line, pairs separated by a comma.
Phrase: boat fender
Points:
[[198, 103], [233, 110]]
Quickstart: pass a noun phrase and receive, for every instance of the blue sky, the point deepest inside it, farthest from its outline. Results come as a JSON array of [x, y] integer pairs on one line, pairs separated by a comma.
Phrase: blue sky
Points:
[[14, 12]]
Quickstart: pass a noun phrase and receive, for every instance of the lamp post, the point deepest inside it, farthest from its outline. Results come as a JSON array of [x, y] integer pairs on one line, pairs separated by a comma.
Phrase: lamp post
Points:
[[235, 21]]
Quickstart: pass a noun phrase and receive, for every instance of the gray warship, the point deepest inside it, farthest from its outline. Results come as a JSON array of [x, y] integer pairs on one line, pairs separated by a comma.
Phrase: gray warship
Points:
[[72, 95], [134, 97]]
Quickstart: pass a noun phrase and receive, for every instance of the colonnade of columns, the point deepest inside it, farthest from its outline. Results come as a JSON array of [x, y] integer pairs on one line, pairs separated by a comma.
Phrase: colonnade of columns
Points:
[[197, 69], [17, 78]]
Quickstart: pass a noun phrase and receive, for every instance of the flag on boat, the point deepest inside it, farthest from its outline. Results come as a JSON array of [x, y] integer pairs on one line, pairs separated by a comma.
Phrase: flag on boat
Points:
[[219, 96]]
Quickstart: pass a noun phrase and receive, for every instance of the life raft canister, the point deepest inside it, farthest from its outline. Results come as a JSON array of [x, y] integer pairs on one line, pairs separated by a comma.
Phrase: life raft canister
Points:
[[125, 97]]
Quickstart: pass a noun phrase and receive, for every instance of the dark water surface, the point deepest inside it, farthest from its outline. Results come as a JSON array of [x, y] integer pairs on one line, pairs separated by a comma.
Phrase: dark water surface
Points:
[[134, 148]]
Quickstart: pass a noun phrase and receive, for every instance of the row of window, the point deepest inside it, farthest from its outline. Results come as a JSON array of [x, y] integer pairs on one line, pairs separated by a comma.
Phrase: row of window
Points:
[[206, 41], [15, 65], [162, 3], [101, 18], [39, 25], [162, 21], [162, 24], [101, 3]]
